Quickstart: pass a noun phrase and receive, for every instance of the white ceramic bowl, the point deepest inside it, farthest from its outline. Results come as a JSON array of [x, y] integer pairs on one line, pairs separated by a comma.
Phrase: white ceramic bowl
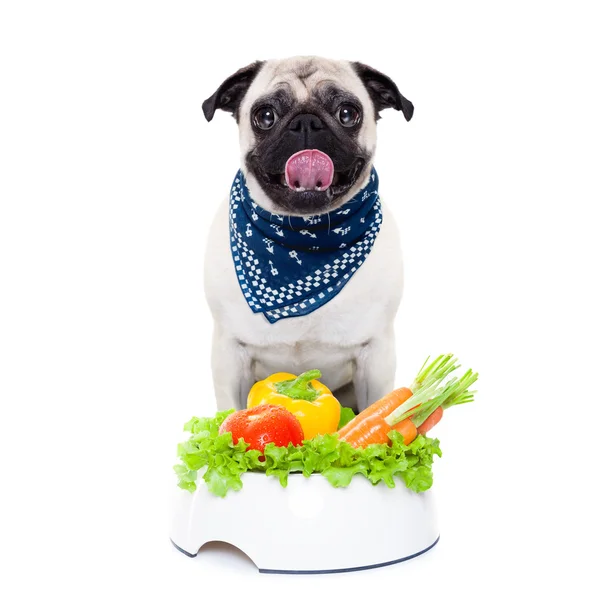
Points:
[[310, 526]]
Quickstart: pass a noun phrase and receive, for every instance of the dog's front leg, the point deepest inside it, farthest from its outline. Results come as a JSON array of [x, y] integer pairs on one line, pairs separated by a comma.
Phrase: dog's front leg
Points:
[[375, 370], [232, 372]]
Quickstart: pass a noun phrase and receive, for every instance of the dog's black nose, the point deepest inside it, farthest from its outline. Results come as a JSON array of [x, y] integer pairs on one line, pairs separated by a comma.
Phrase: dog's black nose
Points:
[[305, 122]]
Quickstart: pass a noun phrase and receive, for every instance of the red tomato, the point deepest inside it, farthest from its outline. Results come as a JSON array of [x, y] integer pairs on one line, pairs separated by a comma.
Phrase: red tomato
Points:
[[263, 424]]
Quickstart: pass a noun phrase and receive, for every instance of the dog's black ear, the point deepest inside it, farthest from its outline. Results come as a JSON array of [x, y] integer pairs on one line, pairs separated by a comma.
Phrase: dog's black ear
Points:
[[230, 93], [383, 91]]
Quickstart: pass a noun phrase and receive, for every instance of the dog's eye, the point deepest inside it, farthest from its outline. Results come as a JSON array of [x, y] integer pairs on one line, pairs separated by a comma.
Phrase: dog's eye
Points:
[[348, 115], [265, 117]]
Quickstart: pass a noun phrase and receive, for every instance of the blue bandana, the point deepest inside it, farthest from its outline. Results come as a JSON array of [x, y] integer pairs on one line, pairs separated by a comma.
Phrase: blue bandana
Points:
[[290, 266]]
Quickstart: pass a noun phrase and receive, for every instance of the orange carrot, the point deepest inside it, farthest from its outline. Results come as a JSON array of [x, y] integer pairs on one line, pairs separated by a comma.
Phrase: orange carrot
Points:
[[369, 427], [408, 430], [381, 408], [411, 411], [374, 430], [433, 419]]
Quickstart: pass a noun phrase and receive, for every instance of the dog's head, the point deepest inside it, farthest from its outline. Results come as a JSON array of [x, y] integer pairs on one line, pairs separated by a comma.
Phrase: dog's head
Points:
[[307, 128]]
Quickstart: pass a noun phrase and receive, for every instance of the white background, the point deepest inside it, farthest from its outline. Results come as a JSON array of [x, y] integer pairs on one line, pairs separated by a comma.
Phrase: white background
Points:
[[109, 177]]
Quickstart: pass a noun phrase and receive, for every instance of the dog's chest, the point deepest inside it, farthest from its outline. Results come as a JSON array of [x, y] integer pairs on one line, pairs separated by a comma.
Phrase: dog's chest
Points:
[[327, 339]]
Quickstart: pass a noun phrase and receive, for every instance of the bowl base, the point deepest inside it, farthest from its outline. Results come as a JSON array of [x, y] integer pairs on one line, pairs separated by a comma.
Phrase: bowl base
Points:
[[327, 571]]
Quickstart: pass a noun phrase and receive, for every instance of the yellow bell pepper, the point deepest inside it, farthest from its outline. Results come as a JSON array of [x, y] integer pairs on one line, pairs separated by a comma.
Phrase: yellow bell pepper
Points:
[[312, 402]]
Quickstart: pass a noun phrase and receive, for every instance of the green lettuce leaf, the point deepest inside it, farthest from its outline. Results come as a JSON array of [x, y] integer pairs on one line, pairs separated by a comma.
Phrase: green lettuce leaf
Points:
[[342, 476], [418, 478], [224, 462], [201, 424]]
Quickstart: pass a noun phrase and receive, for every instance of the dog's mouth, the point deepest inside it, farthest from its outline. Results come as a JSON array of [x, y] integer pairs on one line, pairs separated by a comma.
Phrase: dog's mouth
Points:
[[312, 171]]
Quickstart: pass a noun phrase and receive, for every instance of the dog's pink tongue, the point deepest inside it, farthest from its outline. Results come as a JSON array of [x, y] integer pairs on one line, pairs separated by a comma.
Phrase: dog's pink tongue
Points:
[[309, 170]]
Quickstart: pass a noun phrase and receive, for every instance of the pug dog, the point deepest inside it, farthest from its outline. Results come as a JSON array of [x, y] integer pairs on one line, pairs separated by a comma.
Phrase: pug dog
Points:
[[307, 133]]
